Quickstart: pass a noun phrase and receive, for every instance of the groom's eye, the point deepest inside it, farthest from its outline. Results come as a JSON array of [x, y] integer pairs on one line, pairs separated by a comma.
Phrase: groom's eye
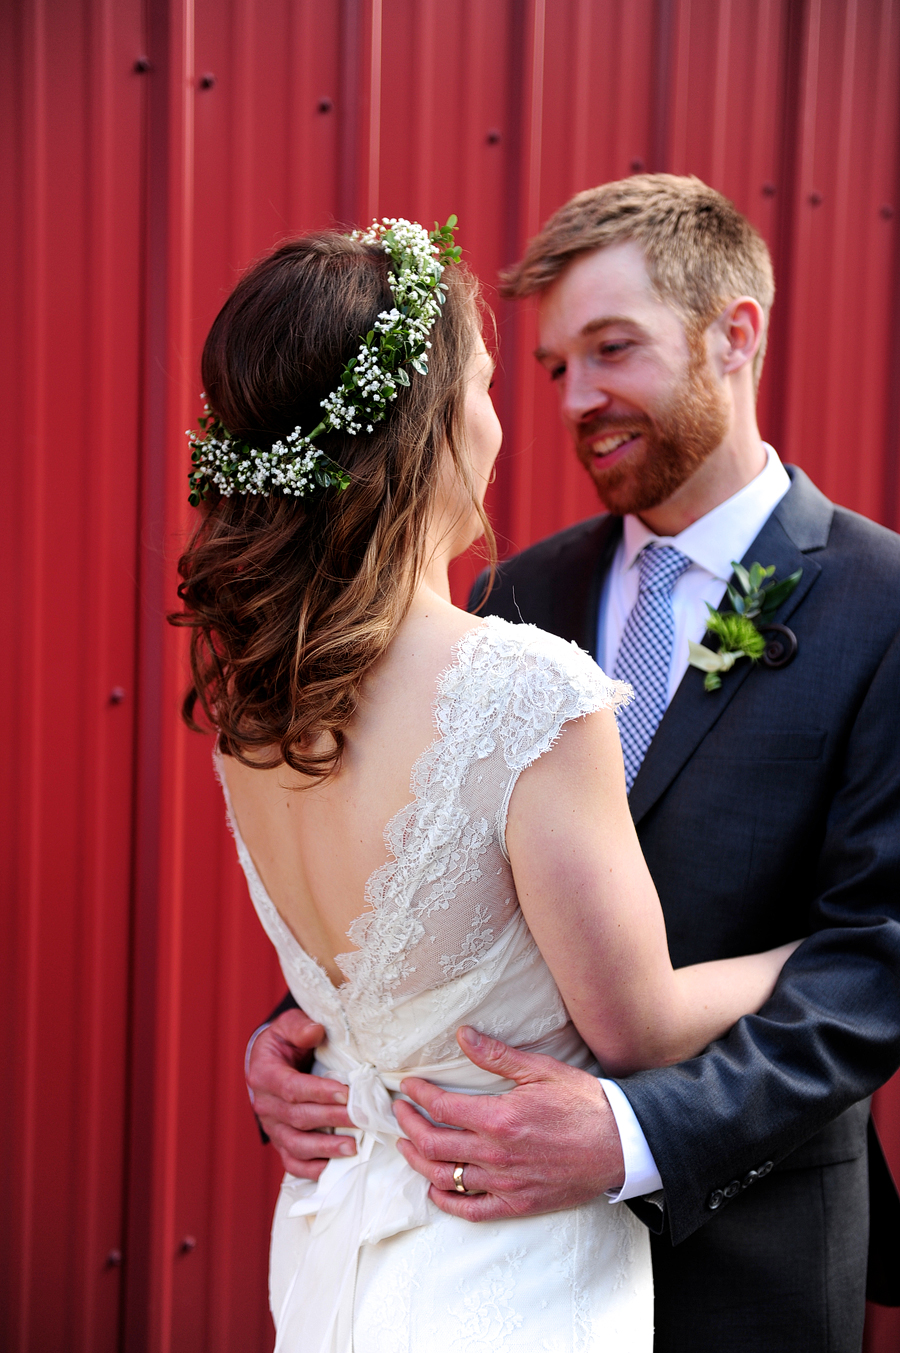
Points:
[[556, 372]]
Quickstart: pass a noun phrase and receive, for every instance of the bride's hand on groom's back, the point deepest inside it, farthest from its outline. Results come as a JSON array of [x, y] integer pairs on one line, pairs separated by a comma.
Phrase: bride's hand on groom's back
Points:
[[550, 1143], [294, 1108]]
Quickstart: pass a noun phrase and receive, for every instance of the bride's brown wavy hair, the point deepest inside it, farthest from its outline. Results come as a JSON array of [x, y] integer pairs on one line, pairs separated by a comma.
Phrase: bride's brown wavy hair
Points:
[[290, 601]]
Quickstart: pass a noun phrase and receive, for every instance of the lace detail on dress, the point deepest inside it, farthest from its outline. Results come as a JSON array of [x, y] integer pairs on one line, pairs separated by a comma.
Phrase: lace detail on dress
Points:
[[485, 1316], [476, 943], [445, 894], [439, 906]]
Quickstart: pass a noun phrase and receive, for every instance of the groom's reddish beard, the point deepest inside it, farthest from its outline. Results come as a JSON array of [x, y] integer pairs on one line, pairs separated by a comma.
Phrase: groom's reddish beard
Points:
[[677, 440]]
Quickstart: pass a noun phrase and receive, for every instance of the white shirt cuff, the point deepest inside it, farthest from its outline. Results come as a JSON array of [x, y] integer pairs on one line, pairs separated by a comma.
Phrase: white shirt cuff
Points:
[[247, 1055], [641, 1174]]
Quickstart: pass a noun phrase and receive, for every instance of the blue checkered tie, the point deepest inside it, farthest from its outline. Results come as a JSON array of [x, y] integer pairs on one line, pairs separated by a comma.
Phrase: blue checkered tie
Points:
[[645, 653]]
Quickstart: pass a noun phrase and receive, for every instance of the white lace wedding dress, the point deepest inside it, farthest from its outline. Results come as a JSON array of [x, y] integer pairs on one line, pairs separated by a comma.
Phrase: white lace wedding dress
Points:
[[363, 1260]]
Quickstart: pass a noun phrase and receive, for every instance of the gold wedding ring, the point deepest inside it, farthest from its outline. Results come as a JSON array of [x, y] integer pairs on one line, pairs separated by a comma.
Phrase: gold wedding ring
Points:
[[458, 1179]]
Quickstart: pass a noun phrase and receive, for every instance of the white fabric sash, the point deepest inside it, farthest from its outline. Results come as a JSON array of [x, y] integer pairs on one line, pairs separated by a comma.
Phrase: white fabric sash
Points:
[[365, 1198], [357, 1200]]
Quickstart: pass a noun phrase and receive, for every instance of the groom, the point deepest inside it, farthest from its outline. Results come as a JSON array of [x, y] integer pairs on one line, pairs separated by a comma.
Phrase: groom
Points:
[[766, 809]]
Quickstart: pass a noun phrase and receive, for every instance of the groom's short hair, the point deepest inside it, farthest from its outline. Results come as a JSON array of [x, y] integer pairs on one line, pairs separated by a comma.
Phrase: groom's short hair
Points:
[[700, 251]]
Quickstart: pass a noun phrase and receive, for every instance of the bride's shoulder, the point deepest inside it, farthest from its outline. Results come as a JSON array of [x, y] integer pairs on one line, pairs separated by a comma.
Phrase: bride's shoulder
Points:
[[528, 647], [529, 667]]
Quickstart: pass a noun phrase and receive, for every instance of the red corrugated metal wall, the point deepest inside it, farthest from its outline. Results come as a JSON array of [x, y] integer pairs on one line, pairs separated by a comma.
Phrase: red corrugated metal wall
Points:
[[148, 152]]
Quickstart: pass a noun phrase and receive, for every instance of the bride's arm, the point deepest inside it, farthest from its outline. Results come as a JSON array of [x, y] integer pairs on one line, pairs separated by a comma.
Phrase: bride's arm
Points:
[[592, 907]]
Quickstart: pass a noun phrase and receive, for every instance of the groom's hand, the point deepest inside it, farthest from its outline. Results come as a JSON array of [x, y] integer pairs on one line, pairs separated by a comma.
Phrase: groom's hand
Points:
[[294, 1108], [550, 1143]]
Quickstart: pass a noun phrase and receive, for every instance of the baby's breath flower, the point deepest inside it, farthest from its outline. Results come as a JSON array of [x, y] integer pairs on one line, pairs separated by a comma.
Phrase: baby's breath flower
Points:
[[369, 382]]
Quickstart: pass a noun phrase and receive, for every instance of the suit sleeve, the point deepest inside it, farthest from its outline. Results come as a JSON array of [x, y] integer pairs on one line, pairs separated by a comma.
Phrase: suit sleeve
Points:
[[287, 1002], [830, 1034]]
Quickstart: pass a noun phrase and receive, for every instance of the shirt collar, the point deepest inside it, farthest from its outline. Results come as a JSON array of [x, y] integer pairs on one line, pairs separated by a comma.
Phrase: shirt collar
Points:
[[725, 533]]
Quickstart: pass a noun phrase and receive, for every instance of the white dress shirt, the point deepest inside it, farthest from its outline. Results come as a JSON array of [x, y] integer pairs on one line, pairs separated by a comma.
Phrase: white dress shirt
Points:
[[711, 543]]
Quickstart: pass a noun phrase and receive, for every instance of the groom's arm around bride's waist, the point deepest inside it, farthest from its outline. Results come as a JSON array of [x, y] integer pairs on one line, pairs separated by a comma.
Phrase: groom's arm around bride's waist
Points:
[[783, 818], [760, 832], [826, 838]]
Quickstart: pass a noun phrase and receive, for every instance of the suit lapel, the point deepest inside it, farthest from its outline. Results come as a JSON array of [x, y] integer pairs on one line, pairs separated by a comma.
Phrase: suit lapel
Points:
[[608, 537], [800, 523]]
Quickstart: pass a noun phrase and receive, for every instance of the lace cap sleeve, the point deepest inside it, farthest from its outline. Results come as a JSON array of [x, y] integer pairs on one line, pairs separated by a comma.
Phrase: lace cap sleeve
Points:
[[542, 682], [529, 684]]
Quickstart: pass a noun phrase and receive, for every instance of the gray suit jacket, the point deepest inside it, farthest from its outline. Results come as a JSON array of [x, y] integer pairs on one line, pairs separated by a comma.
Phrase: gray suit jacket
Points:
[[768, 810]]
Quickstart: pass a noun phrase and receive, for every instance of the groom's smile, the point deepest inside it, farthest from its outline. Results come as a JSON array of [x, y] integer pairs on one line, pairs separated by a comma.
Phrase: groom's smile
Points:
[[608, 448], [637, 392]]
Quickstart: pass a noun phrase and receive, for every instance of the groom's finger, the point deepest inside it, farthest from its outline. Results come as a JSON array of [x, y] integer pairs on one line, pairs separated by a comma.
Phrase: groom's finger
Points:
[[303, 1117], [473, 1205], [441, 1143], [440, 1172], [512, 1064], [305, 1154], [481, 1114]]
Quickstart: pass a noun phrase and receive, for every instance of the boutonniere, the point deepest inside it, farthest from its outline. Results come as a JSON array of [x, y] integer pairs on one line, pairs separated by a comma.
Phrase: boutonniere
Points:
[[746, 631]]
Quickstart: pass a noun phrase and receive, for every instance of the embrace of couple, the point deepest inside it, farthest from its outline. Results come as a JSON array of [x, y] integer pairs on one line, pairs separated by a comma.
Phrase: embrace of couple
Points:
[[593, 961]]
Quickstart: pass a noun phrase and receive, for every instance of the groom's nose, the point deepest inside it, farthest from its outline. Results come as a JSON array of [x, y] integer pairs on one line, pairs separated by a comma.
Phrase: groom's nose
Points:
[[582, 396]]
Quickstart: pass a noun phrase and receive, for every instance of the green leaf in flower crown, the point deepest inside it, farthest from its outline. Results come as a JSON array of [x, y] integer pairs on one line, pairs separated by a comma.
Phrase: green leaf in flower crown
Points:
[[417, 259]]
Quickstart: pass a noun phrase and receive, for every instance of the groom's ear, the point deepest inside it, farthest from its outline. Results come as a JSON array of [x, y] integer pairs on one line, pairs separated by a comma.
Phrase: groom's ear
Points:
[[735, 336]]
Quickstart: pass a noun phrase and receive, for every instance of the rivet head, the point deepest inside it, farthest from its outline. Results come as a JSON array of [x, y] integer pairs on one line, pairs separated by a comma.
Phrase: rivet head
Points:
[[886, 212], [113, 1259], [142, 65], [207, 80], [636, 166], [769, 189], [816, 199], [325, 106], [117, 695], [493, 137], [188, 1245]]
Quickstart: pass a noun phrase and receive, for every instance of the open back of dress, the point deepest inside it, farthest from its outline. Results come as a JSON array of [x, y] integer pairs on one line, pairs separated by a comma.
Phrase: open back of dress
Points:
[[363, 1260]]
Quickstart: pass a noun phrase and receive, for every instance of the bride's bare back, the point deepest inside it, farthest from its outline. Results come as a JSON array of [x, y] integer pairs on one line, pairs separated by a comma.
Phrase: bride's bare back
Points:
[[580, 876], [315, 845]]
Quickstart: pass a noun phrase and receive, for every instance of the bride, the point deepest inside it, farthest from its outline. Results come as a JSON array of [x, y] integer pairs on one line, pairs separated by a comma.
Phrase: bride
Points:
[[429, 807]]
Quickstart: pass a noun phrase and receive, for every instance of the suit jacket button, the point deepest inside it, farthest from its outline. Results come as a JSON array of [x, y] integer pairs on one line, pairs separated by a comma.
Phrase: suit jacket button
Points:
[[716, 1199], [731, 1189], [764, 1169], [749, 1178]]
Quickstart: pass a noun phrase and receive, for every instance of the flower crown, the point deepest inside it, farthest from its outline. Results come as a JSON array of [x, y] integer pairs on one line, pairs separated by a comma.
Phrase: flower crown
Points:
[[368, 383]]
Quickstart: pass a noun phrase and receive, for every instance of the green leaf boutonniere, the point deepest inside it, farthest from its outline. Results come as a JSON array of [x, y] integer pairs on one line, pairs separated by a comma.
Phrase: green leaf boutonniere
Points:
[[740, 630]]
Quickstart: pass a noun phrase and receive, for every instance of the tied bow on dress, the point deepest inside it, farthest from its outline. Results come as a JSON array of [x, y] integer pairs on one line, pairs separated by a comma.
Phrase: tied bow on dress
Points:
[[356, 1200]]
